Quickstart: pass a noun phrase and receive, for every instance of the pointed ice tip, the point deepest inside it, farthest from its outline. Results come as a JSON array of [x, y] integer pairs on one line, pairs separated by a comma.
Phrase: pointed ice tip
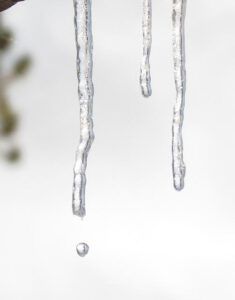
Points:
[[146, 90], [147, 94], [80, 212], [179, 186]]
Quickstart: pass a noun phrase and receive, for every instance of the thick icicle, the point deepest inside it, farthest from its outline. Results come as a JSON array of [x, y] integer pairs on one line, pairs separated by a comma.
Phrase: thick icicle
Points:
[[178, 17], [83, 29], [145, 77]]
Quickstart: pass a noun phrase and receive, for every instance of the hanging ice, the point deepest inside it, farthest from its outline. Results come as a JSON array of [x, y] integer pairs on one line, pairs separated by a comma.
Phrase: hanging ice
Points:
[[178, 17], [145, 77], [83, 30]]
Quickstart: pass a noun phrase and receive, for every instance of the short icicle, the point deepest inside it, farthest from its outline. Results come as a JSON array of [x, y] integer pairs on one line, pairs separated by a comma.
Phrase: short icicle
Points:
[[145, 76], [83, 30], [178, 17]]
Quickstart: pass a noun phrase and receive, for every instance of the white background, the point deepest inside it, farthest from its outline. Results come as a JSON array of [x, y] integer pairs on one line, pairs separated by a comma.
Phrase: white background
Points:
[[147, 241]]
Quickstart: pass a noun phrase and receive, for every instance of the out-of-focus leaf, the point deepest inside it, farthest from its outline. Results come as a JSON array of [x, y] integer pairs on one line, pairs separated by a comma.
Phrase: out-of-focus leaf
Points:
[[8, 125], [22, 65], [5, 38], [13, 155], [8, 120]]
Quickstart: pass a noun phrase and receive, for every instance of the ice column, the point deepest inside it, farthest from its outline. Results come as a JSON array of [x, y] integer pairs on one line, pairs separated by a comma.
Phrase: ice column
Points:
[[178, 17], [145, 77], [83, 30]]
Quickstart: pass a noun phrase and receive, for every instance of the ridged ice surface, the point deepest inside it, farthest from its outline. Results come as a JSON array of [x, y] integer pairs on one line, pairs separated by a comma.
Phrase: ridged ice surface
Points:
[[178, 17], [83, 30], [145, 76]]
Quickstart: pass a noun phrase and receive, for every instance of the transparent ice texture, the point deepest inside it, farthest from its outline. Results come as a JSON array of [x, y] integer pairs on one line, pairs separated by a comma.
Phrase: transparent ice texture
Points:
[[83, 34], [145, 77], [82, 249], [178, 17]]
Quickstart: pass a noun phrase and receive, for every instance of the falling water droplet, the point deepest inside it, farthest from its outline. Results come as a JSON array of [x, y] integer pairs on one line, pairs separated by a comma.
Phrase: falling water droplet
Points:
[[82, 249], [83, 33], [145, 77], [178, 17]]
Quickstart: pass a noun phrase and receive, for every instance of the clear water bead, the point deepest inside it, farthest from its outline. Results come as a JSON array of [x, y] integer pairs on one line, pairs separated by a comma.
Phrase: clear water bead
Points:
[[82, 249]]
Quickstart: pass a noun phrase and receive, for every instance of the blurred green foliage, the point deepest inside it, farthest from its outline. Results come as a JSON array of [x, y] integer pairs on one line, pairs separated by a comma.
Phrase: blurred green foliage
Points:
[[8, 118], [13, 155], [22, 65], [5, 39]]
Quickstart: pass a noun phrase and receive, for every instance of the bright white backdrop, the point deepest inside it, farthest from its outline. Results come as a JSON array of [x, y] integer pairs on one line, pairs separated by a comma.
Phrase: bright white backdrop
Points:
[[146, 240]]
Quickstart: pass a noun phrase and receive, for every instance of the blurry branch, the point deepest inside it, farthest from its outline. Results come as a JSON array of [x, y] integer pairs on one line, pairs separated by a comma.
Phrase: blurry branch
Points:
[[5, 4], [8, 119]]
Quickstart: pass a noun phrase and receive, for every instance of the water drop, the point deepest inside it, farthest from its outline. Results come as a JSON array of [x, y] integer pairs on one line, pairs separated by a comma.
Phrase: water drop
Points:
[[82, 249]]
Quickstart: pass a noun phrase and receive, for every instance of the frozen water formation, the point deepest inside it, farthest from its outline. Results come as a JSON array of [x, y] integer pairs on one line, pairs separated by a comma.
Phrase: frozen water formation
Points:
[[82, 249], [83, 30], [178, 17], [145, 76], [83, 34]]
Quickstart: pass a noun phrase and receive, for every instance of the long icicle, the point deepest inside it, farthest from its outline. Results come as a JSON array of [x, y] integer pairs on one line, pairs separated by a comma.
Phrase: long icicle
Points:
[[83, 30], [145, 76], [178, 17]]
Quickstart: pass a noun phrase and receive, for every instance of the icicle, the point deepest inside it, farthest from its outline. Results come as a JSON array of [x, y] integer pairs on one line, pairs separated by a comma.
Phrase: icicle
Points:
[[178, 17], [83, 29], [145, 77]]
